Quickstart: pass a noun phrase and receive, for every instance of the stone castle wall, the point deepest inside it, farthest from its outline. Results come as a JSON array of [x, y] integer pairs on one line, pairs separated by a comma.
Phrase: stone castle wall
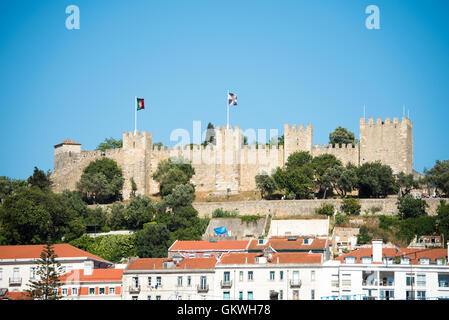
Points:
[[229, 167]]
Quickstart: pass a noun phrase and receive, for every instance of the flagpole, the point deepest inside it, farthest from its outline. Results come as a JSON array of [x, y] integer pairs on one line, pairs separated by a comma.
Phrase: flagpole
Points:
[[227, 106], [135, 115]]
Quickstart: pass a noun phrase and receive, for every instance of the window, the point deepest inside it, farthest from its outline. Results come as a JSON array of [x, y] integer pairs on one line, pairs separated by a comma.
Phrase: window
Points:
[[148, 297], [191, 255], [350, 260], [149, 281], [226, 276], [16, 273], [203, 281], [312, 275], [367, 260], [440, 261], [281, 294], [421, 295], [102, 291], [250, 295], [64, 291], [281, 275], [250, 276], [33, 273], [179, 281], [226, 295], [443, 280], [312, 294], [240, 295], [424, 261], [111, 290], [305, 241], [421, 280], [134, 297], [74, 291], [91, 291], [409, 295], [189, 281], [271, 275], [241, 276], [135, 282], [159, 281], [405, 260], [410, 280], [158, 297]]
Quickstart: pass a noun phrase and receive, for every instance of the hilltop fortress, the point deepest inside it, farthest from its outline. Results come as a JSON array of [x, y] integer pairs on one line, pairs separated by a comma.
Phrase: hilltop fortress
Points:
[[229, 167]]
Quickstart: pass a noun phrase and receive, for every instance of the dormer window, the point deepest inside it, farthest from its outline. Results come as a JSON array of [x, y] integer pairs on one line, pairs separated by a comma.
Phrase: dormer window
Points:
[[405, 260], [367, 260], [424, 261], [260, 242], [307, 241], [440, 261], [350, 260]]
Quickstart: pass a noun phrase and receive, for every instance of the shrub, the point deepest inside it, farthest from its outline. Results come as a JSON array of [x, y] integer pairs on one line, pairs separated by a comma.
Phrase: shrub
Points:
[[325, 208], [351, 206]]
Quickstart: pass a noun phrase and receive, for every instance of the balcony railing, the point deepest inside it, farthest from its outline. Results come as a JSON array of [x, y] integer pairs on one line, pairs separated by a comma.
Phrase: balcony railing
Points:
[[134, 289], [226, 283], [202, 288], [442, 283], [369, 283], [15, 281], [387, 283], [295, 283]]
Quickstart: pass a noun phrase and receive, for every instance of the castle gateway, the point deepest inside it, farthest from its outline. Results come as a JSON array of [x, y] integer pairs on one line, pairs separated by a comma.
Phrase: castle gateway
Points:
[[229, 166]]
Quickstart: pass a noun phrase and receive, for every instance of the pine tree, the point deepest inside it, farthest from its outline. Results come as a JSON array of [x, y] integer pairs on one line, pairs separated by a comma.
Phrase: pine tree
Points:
[[48, 272]]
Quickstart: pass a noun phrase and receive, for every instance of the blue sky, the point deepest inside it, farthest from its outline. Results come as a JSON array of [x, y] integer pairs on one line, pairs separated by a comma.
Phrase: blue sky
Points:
[[295, 62]]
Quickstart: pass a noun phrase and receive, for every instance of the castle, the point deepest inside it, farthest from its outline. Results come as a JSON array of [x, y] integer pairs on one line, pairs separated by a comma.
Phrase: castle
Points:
[[229, 166]]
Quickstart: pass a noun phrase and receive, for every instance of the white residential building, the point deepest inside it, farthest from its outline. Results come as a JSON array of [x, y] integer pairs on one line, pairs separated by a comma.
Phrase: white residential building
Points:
[[387, 274], [19, 263]]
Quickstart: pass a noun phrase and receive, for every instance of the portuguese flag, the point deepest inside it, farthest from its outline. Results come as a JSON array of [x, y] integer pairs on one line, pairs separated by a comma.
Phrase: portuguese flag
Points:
[[140, 104]]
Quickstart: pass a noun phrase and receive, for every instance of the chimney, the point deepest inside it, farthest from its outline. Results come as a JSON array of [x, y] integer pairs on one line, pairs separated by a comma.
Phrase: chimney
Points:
[[377, 250], [88, 267]]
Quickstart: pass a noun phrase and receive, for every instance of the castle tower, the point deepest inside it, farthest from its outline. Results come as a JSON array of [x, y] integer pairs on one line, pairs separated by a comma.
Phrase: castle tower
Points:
[[390, 142], [65, 152], [136, 161], [228, 148], [297, 139]]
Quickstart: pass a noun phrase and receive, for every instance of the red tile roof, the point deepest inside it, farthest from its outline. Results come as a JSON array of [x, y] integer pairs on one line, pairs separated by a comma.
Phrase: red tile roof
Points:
[[282, 243], [68, 141], [98, 275], [186, 263], [21, 295], [220, 245], [413, 254], [284, 257], [64, 250]]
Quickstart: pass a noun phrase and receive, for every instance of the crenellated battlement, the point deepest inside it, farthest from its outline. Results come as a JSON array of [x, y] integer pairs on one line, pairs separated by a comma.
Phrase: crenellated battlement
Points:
[[229, 164]]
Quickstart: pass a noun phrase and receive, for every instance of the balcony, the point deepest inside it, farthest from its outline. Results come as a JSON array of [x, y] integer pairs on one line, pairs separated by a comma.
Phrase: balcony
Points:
[[202, 288], [226, 284], [134, 289], [369, 283], [295, 283], [386, 283], [15, 281]]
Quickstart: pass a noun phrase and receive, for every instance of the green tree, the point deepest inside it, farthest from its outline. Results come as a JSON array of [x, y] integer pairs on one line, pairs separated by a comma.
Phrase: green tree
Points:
[[110, 143], [351, 206], [410, 207], [342, 136], [341, 179], [185, 224], [173, 172], [48, 272], [139, 211], [116, 218], [153, 241], [298, 160], [40, 179], [133, 187], [320, 166], [31, 215], [363, 237], [439, 176], [375, 180], [101, 181], [181, 195], [265, 183], [96, 218], [406, 183], [210, 135], [443, 218]]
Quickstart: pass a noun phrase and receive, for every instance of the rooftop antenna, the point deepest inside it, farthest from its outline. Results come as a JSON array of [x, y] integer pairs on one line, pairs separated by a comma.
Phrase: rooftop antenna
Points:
[[364, 112]]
